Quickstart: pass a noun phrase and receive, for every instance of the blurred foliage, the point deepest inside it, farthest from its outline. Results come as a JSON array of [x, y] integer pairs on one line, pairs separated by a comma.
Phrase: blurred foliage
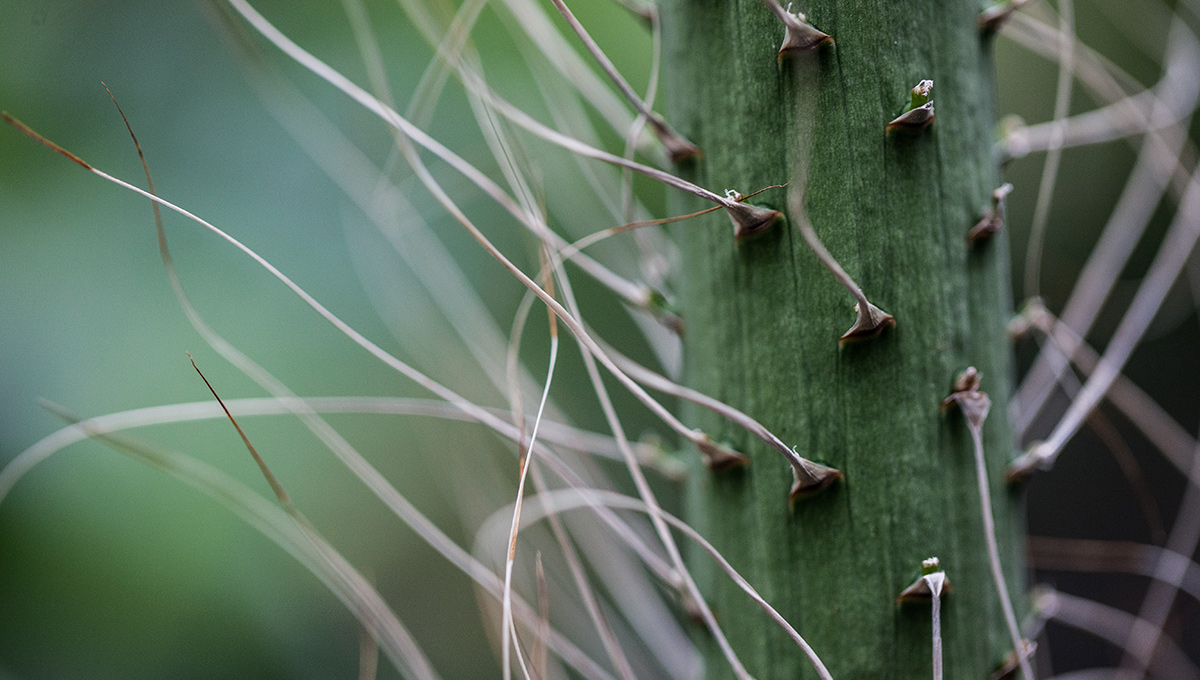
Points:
[[109, 569]]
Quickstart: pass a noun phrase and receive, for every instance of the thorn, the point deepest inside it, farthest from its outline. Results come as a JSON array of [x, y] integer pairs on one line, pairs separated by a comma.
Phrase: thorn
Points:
[[967, 397], [993, 18], [691, 608], [913, 120], [800, 36], [809, 478], [749, 220], [1008, 669], [868, 325], [931, 582], [1021, 469], [993, 218], [659, 305], [679, 149], [719, 458], [653, 453], [930, 586], [1033, 315], [919, 114]]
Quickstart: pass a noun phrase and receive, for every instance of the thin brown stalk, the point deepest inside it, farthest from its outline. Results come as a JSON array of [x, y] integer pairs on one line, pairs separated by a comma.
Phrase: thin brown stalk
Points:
[[591, 352], [282, 495], [608, 639], [525, 461], [573, 249]]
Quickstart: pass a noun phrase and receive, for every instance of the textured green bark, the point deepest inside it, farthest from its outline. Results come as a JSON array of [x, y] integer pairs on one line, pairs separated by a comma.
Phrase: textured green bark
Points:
[[764, 317]]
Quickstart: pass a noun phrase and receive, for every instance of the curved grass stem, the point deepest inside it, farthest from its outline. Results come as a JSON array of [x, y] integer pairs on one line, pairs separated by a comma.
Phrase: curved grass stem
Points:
[[557, 502]]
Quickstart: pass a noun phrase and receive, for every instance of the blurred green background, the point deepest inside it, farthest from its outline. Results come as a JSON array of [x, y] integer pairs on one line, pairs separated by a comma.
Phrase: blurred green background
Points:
[[109, 569]]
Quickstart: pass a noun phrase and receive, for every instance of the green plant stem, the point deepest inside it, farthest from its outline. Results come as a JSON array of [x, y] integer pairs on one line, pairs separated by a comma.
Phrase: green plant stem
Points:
[[764, 317]]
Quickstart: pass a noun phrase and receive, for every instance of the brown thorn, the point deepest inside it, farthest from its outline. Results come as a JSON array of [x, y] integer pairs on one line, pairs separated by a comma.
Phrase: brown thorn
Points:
[[993, 217], [913, 120], [720, 458], [993, 18], [678, 148], [1012, 663], [811, 478], [868, 324], [749, 220], [798, 35], [973, 403], [919, 591], [804, 40], [1021, 469]]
